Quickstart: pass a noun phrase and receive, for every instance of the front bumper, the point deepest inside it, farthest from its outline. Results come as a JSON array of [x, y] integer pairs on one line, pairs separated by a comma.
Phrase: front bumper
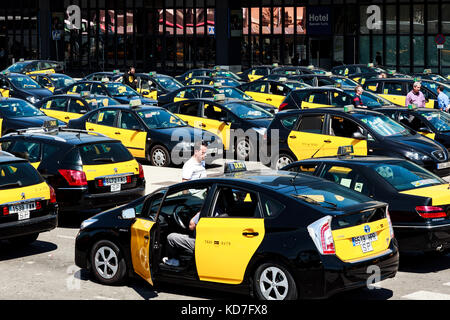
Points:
[[79, 199], [422, 237]]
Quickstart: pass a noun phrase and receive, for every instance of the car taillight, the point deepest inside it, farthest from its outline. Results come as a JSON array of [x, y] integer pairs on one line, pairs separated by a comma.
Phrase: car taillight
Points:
[[38, 205], [282, 106], [128, 179], [429, 212], [74, 177], [52, 195], [5, 210], [320, 232], [100, 182], [141, 171], [391, 228]]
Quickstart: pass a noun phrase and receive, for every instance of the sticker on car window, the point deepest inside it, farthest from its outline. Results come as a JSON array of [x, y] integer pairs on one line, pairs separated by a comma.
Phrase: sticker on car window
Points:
[[359, 186], [346, 182]]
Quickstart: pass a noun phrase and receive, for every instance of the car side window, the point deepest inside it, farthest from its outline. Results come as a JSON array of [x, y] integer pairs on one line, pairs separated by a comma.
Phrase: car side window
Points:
[[25, 149], [278, 90], [317, 97], [187, 94], [97, 89], [76, 106], [107, 117], [80, 87], [48, 151], [289, 122], [56, 104], [347, 177], [128, 121], [325, 82], [257, 87], [311, 123], [305, 168], [235, 202], [271, 207], [411, 121], [190, 109], [93, 118], [214, 112], [342, 127], [393, 88], [340, 99], [185, 203]]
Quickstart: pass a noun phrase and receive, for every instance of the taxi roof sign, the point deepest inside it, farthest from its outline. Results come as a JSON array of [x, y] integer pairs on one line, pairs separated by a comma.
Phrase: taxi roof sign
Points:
[[105, 79], [135, 103], [275, 65], [283, 79], [344, 151], [427, 71], [412, 106], [152, 73], [349, 108], [50, 124], [370, 65], [219, 97], [85, 93], [236, 166]]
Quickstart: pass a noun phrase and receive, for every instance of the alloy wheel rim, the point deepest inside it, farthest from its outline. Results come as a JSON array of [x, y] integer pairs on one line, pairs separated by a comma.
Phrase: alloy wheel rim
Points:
[[273, 284], [106, 262], [159, 157], [243, 149], [283, 161]]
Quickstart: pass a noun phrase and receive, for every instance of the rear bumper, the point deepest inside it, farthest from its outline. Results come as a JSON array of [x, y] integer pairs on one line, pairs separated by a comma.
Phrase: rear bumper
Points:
[[30, 226], [423, 238], [79, 199]]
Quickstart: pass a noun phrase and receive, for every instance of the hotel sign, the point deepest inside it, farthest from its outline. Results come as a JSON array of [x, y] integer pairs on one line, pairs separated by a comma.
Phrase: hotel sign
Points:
[[318, 21]]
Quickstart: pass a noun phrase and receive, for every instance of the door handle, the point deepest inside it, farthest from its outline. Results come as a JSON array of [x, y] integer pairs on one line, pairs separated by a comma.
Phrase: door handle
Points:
[[91, 129], [293, 137], [116, 132], [268, 99], [203, 125], [250, 234], [327, 141], [67, 118]]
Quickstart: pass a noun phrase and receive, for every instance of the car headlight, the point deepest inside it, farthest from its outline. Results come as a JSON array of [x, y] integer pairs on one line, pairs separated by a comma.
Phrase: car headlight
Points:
[[32, 99], [87, 222], [416, 156], [261, 131]]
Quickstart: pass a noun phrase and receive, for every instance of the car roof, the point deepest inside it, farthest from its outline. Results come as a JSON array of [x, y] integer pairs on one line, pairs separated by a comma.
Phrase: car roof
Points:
[[406, 109], [327, 110], [64, 136], [355, 160]]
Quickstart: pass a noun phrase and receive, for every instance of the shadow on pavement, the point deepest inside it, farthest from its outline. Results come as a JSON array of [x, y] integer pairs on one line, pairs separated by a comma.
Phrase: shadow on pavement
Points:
[[365, 294], [8, 251], [424, 263]]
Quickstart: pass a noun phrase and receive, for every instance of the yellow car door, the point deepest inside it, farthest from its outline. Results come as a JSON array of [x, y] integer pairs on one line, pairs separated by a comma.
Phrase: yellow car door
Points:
[[213, 121], [56, 108], [277, 93], [258, 91], [140, 248], [103, 122], [224, 246], [75, 109], [132, 134]]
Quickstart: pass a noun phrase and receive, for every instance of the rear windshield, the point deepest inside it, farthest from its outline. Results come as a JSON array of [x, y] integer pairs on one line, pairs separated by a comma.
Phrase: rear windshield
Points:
[[106, 152], [18, 175]]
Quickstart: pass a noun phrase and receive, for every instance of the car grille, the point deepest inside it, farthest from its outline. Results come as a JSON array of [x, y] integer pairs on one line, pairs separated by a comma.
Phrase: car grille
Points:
[[439, 155]]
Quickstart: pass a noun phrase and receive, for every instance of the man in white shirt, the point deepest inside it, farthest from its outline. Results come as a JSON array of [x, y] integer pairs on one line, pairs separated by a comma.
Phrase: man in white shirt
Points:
[[193, 169]]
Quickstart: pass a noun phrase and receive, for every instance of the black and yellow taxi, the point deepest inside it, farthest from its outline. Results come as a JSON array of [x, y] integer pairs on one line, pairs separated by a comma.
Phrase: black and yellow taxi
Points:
[[256, 72], [327, 79], [315, 97], [194, 73], [223, 81], [432, 123], [36, 66], [396, 90], [356, 70], [427, 74], [52, 81], [274, 235], [419, 201], [27, 203], [21, 86], [152, 84], [118, 91], [16, 114], [69, 106], [239, 124], [87, 170], [270, 91], [314, 133], [113, 76], [292, 70], [148, 132]]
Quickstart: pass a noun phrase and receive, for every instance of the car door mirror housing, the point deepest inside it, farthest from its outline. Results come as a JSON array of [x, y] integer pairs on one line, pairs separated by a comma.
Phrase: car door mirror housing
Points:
[[425, 129], [129, 214], [359, 136]]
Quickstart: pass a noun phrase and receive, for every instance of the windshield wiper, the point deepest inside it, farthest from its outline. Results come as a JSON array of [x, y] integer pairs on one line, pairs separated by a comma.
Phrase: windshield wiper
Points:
[[9, 185], [103, 160], [312, 201]]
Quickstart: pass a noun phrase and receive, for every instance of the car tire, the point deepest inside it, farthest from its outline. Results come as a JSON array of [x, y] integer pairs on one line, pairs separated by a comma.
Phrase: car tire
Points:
[[283, 160], [107, 263], [159, 156], [273, 281], [244, 149], [24, 240]]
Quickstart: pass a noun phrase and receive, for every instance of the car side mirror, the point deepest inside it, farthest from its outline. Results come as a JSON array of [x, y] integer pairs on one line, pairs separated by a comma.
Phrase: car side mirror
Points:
[[145, 92], [83, 111], [359, 136], [129, 214], [425, 130]]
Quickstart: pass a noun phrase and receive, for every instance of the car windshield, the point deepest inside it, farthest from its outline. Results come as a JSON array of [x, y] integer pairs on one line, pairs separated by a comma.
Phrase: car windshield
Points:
[[383, 125], [437, 77], [99, 102], [370, 99], [434, 85], [345, 82], [234, 93], [226, 82], [229, 74], [62, 81], [296, 85], [18, 109], [24, 82], [160, 119], [438, 119], [168, 83], [330, 196], [18, 175], [17, 67], [247, 110], [405, 175], [120, 90]]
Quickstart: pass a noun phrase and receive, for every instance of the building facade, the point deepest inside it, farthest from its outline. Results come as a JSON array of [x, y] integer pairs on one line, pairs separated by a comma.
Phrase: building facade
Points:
[[175, 35]]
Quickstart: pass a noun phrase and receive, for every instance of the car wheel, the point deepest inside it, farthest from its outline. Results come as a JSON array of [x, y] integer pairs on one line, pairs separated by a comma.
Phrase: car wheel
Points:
[[272, 281], [159, 156], [24, 240], [244, 149], [108, 264], [283, 160]]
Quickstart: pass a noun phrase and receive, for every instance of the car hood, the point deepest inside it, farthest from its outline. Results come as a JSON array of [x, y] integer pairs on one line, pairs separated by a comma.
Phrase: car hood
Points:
[[39, 93], [187, 132], [417, 143]]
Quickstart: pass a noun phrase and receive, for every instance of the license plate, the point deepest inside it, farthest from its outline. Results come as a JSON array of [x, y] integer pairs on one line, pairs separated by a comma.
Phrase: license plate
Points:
[[444, 165], [365, 241], [114, 181], [23, 207], [115, 187], [23, 215]]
